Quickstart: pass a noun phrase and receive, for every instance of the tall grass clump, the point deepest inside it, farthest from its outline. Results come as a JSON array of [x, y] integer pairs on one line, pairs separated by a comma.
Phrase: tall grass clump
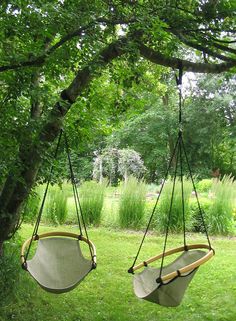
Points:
[[56, 205], [176, 217], [92, 199], [132, 203], [197, 221], [220, 216]]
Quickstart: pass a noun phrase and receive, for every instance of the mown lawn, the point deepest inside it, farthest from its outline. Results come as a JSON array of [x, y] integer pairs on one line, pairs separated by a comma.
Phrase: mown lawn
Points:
[[106, 293]]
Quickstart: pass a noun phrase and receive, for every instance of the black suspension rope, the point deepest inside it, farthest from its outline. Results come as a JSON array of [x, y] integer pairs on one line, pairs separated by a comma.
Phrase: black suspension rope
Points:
[[180, 148], [182, 187], [179, 86], [76, 196], [73, 182], [36, 227], [154, 208], [169, 213], [196, 194]]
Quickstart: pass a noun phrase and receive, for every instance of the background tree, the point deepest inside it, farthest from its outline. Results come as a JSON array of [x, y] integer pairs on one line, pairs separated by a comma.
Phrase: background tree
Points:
[[117, 164], [210, 127], [208, 123]]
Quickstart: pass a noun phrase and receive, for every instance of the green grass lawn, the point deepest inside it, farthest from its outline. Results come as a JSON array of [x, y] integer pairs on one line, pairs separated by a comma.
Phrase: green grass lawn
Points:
[[106, 293]]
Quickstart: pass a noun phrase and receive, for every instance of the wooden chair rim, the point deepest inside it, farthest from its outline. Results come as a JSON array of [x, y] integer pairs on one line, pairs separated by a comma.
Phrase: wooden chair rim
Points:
[[65, 234], [185, 269]]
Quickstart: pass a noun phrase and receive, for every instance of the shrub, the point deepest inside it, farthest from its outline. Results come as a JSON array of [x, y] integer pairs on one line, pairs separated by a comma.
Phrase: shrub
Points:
[[56, 205], [92, 198], [132, 203], [176, 218], [204, 185], [197, 223], [220, 218], [9, 271]]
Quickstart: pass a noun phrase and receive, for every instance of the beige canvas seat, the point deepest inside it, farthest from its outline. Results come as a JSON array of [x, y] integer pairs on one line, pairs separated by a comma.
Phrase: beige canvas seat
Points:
[[58, 264], [169, 288], [170, 292]]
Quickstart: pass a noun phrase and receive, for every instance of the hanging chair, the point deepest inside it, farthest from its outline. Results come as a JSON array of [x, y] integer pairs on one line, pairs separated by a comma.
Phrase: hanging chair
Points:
[[167, 284], [58, 264], [176, 276]]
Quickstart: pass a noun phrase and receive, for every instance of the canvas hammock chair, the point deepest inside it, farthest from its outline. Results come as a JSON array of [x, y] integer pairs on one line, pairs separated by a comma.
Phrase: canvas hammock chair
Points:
[[58, 264], [167, 284]]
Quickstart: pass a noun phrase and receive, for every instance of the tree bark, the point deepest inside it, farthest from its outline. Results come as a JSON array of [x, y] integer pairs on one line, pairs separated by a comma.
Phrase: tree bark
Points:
[[158, 58]]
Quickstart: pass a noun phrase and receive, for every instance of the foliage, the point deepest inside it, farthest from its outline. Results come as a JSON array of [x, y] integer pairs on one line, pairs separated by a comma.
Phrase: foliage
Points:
[[92, 198], [220, 217], [31, 207], [204, 185], [132, 203], [176, 214], [106, 164], [151, 133], [56, 205], [210, 125], [130, 163], [118, 163], [9, 271]]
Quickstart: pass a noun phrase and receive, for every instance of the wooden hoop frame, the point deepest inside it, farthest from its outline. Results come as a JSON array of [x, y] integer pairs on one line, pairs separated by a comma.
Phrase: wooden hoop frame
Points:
[[65, 234], [185, 269]]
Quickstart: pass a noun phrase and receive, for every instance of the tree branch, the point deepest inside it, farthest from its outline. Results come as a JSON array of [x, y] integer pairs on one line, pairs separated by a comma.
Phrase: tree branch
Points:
[[202, 48], [223, 41], [30, 63], [160, 59], [202, 30], [39, 61], [225, 48]]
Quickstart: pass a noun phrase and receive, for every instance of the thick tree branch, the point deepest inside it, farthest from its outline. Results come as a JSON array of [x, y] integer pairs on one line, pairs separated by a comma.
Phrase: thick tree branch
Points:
[[224, 48], [160, 59], [202, 48], [223, 40], [189, 30], [30, 63]]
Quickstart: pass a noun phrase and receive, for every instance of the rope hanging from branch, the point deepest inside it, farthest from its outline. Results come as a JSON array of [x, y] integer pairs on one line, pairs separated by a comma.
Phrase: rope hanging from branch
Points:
[[179, 154], [79, 211]]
